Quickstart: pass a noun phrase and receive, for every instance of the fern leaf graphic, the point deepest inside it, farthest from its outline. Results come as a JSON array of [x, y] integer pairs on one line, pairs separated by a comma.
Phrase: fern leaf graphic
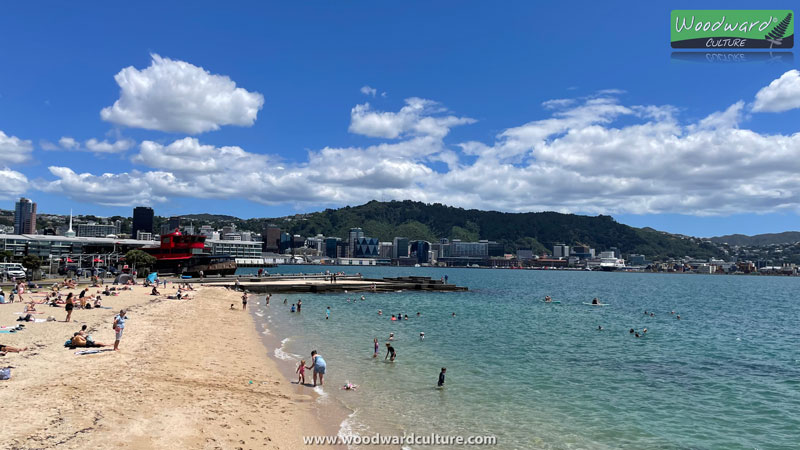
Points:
[[779, 31]]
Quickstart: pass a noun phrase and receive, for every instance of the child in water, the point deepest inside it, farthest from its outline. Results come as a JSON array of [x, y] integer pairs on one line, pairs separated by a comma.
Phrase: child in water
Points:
[[301, 372]]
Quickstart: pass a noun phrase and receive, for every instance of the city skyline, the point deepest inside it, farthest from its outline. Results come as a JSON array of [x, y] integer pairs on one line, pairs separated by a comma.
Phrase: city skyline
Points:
[[273, 120]]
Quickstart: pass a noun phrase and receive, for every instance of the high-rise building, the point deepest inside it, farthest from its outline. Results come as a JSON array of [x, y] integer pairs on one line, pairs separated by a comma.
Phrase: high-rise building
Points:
[[561, 251], [332, 247], [352, 237], [400, 247], [97, 229], [271, 239], [25, 217], [142, 220]]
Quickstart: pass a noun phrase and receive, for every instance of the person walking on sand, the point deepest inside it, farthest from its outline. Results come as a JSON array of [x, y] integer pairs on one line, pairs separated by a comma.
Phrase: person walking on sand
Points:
[[318, 364], [244, 301], [119, 327], [69, 306]]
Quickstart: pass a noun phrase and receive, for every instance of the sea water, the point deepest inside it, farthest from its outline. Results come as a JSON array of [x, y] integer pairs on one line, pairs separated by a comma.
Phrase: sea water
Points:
[[536, 375]]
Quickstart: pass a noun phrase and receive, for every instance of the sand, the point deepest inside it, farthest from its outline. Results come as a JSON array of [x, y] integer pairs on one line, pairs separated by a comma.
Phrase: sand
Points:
[[181, 380]]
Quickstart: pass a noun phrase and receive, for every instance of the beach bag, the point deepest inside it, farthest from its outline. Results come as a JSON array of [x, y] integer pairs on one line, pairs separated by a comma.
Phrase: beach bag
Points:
[[5, 374]]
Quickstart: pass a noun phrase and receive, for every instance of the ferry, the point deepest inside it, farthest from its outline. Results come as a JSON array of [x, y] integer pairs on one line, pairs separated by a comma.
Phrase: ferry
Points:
[[184, 254], [610, 264]]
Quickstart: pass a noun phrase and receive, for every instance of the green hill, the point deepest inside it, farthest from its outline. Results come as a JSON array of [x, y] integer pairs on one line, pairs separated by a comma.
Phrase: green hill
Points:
[[540, 231], [787, 237]]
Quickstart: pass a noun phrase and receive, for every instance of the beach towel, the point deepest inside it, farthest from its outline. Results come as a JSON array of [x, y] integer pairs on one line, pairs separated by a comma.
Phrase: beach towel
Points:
[[92, 352], [13, 330], [5, 373]]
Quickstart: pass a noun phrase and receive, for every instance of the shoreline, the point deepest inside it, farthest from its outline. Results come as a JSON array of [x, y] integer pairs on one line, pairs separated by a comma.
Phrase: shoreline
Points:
[[329, 413], [189, 374]]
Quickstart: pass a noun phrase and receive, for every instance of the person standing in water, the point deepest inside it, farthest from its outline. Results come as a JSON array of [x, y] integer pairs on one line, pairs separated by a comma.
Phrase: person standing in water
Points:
[[390, 352], [327, 313], [319, 366], [441, 377], [375, 342], [299, 304]]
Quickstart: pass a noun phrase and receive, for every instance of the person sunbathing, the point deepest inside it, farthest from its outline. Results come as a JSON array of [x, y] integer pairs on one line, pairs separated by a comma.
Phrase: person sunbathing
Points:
[[5, 349], [79, 340]]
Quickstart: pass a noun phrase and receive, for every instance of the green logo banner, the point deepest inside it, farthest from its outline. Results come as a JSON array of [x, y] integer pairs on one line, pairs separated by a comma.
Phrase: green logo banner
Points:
[[732, 29]]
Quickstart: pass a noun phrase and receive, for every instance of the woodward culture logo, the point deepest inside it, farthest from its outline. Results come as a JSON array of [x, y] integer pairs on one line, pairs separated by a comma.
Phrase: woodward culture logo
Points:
[[732, 29]]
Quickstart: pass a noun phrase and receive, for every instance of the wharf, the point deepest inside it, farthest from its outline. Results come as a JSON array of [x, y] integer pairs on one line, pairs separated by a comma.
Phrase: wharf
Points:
[[322, 284]]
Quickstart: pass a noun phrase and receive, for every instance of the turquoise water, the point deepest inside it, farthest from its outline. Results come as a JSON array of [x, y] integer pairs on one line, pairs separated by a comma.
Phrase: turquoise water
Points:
[[727, 375]]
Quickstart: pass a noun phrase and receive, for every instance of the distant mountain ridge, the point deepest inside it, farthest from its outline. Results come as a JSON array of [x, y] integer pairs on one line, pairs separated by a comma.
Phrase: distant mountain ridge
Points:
[[787, 237]]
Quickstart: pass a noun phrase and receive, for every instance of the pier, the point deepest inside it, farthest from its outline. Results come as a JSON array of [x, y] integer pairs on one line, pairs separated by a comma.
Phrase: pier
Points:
[[321, 283]]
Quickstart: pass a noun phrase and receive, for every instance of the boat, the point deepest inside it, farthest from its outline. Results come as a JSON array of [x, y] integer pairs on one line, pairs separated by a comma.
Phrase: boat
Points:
[[185, 254], [611, 264]]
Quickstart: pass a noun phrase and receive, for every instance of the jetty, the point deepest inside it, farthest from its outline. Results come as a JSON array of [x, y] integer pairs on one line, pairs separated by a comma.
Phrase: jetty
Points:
[[323, 283]]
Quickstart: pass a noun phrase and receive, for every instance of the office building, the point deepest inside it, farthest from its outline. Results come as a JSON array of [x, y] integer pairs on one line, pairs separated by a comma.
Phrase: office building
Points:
[[561, 251], [25, 217], [142, 220], [352, 237], [421, 251], [365, 247], [92, 229], [400, 247], [270, 239]]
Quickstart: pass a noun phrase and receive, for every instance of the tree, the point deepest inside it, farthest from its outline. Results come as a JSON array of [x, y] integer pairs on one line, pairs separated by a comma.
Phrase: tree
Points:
[[31, 262], [6, 256], [140, 259]]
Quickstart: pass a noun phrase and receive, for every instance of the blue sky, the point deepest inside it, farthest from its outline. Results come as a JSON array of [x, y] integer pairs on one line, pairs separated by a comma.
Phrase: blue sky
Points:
[[337, 103]]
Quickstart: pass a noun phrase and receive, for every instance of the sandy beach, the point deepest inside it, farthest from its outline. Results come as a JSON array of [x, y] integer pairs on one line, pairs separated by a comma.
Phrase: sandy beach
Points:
[[189, 374]]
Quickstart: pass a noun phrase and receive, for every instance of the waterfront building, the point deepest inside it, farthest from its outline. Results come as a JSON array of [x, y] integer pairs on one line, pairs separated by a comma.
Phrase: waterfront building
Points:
[[271, 238], [331, 247], [561, 251], [352, 237], [421, 250], [142, 220], [365, 247], [400, 247], [25, 216], [385, 249]]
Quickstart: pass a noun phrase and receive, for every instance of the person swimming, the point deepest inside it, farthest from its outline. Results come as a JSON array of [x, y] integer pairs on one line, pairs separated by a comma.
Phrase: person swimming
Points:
[[632, 330], [380, 312], [405, 317], [595, 301], [547, 299], [293, 308], [599, 328], [393, 317], [421, 335], [391, 336]]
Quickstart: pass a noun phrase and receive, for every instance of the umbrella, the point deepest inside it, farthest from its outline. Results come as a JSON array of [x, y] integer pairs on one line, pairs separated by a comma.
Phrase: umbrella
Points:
[[152, 277]]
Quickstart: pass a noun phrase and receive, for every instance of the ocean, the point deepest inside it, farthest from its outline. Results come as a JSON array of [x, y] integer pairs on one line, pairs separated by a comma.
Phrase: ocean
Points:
[[726, 375]]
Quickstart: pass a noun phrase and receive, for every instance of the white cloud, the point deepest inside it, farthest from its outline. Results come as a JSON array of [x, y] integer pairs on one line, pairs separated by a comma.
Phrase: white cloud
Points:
[[366, 90], [419, 117], [68, 143], [781, 95], [177, 96], [596, 155], [14, 150], [12, 183], [104, 146], [188, 155]]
